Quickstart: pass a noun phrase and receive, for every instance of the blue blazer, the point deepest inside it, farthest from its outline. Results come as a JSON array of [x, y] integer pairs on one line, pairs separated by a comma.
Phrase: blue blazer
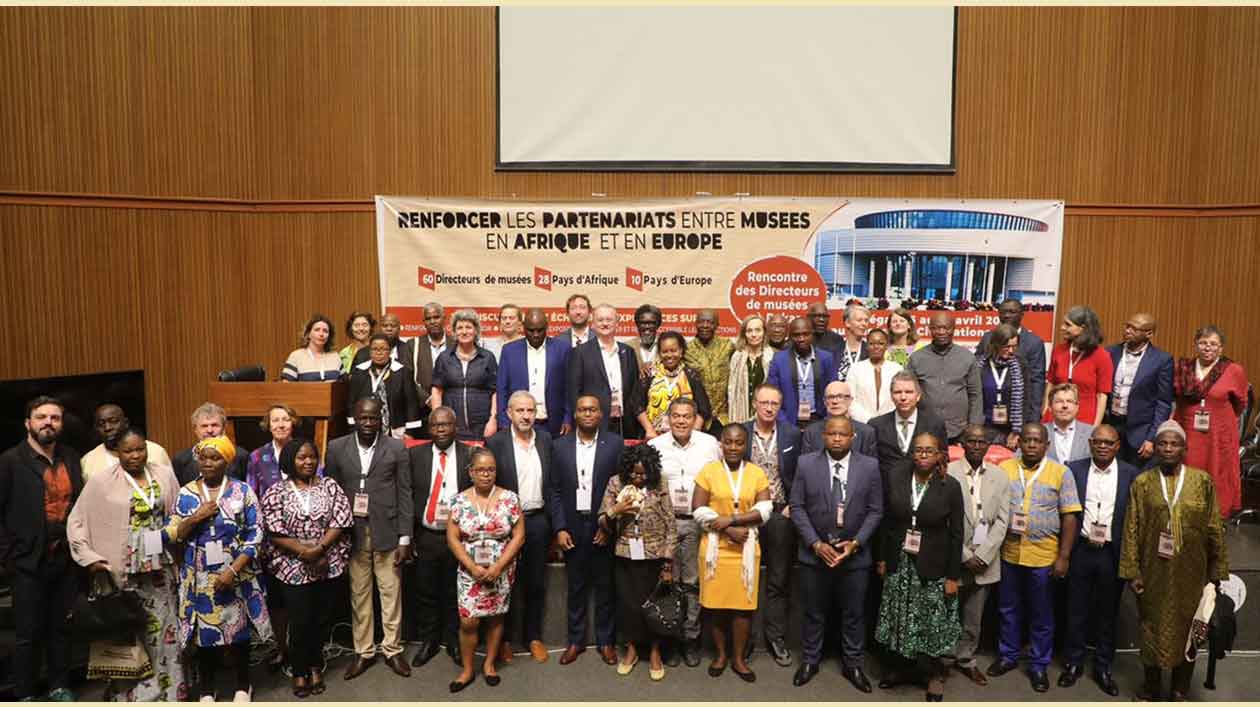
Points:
[[1127, 472], [788, 439], [1150, 398], [784, 376], [814, 506], [564, 476], [514, 376]]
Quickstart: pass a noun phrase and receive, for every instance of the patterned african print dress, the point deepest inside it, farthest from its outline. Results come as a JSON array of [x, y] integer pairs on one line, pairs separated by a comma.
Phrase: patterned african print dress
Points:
[[220, 618]]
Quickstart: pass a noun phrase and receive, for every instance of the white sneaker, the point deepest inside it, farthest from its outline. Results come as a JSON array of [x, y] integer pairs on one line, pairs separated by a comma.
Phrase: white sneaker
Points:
[[242, 696], [206, 698]]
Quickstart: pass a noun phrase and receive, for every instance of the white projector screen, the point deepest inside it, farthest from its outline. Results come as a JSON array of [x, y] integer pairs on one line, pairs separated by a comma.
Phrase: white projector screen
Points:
[[702, 88]]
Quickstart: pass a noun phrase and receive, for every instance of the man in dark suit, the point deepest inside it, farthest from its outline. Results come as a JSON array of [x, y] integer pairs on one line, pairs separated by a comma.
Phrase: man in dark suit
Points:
[[208, 420], [439, 471], [607, 369], [801, 373], [1032, 352], [375, 474], [1142, 391], [838, 395], [775, 446], [522, 454], [578, 309], [424, 351], [582, 464], [537, 364], [895, 430], [837, 502], [40, 479], [1094, 585], [820, 324], [399, 348]]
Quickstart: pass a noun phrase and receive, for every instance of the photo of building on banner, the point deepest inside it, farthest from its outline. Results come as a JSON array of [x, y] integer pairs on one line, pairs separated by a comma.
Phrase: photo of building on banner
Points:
[[738, 256]]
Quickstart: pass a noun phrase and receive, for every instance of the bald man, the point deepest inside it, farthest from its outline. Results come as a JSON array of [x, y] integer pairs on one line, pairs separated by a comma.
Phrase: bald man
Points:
[[1141, 391], [537, 364], [110, 422], [838, 396], [949, 377]]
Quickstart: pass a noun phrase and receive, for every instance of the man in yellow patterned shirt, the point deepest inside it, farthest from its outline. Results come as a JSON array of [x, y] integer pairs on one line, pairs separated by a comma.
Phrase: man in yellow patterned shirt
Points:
[[1039, 538], [710, 356]]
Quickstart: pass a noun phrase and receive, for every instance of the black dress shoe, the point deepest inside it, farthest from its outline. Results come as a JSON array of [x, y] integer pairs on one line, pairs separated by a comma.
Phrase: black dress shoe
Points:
[[672, 656], [782, 656], [1001, 667], [493, 680], [858, 678], [425, 654], [1071, 673], [1039, 681], [456, 685], [691, 653], [804, 674], [1107, 683], [936, 698]]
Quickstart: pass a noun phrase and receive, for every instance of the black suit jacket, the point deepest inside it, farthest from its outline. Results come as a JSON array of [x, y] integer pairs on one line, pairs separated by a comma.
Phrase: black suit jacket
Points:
[[1127, 472], [888, 444], [940, 519], [863, 438], [421, 458], [400, 395], [22, 500], [505, 461], [564, 473], [587, 377]]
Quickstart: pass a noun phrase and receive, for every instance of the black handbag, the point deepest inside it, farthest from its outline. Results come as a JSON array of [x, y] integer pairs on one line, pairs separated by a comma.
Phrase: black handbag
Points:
[[106, 612], [665, 609]]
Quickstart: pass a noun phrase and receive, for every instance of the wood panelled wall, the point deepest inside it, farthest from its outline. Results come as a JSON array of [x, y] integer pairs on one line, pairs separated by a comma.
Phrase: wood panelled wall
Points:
[[238, 109]]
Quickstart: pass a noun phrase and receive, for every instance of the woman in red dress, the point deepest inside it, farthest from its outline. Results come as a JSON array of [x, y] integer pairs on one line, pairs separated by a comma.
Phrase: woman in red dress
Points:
[[1211, 393], [1080, 358]]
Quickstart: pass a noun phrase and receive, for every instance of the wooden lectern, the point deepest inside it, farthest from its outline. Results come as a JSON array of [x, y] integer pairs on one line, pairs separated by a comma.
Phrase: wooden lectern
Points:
[[322, 402]]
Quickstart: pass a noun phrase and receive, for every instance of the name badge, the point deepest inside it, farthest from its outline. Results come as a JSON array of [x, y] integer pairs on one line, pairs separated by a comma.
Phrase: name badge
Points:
[[681, 498], [636, 549], [483, 554], [980, 534], [1019, 522], [615, 410], [540, 413], [214, 553], [913, 539], [1099, 533], [442, 512], [151, 542], [802, 410], [1166, 549], [360, 505], [999, 415], [1202, 420], [839, 515]]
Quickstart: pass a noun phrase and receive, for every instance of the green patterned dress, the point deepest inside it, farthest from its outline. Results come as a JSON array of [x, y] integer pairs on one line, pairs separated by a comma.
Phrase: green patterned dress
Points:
[[153, 577], [915, 616]]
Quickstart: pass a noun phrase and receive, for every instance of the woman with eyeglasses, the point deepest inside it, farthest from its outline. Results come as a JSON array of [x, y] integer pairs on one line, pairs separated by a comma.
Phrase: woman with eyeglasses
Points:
[[1211, 394], [1080, 359], [1002, 385]]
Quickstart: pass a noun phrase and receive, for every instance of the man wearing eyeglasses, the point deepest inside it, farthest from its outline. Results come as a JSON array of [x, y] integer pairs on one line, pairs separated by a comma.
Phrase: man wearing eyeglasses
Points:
[[1093, 580], [1142, 390], [838, 396]]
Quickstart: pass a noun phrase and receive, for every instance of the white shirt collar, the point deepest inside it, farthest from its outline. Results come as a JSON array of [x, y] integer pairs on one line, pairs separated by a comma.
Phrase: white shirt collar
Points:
[[690, 441], [592, 443], [1094, 469], [541, 347], [533, 437], [1071, 428]]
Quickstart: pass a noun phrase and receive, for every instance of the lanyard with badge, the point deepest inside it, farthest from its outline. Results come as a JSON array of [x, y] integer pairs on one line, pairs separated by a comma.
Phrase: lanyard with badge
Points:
[[583, 499], [1074, 357], [1019, 519], [484, 547], [805, 372], [999, 414], [1202, 417], [1167, 548], [538, 373], [1099, 532], [735, 482], [981, 532], [361, 497], [215, 554], [150, 540], [914, 537]]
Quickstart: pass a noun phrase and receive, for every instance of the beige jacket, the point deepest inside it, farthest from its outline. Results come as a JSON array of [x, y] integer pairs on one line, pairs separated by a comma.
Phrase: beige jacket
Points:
[[98, 524]]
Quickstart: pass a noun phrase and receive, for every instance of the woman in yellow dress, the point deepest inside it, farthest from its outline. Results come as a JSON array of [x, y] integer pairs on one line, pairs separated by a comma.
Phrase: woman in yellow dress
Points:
[[731, 500]]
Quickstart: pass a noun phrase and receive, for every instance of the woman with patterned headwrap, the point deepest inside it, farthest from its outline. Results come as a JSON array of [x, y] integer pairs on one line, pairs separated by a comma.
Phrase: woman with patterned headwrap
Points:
[[669, 380], [1174, 544], [220, 599]]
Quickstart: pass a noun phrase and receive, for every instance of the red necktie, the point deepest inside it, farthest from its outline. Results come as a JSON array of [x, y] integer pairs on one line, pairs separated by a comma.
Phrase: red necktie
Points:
[[436, 492]]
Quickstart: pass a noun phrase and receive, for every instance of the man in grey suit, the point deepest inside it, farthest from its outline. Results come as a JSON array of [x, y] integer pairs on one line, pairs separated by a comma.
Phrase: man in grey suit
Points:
[[1032, 353], [375, 474], [1069, 437], [987, 503], [836, 504]]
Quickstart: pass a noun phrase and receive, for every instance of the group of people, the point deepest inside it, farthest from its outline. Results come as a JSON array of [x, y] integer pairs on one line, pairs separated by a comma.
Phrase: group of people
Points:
[[659, 461]]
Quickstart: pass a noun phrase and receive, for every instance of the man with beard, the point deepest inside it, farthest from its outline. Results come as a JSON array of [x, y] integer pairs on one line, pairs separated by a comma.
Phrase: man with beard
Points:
[[110, 422], [578, 309], [647, 320], [40, 480]]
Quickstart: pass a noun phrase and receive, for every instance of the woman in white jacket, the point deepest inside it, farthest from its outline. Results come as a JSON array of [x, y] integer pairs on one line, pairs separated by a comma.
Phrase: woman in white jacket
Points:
[[870, 379]]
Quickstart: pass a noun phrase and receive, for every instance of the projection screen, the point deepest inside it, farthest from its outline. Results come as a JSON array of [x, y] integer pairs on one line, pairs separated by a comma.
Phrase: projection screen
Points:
[[702, 88]]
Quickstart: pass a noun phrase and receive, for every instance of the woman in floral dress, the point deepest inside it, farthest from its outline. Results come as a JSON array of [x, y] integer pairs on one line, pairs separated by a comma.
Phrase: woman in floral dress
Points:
[[485, 533], [118, 526], [222, 605]]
